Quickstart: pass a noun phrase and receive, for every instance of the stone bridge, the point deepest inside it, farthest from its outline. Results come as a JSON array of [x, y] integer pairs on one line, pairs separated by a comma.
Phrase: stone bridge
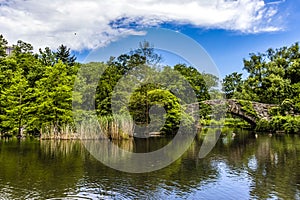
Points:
[[250, 111]]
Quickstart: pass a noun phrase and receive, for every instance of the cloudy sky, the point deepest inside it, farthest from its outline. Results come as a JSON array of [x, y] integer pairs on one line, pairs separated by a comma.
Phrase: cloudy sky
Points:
[[227, 29]]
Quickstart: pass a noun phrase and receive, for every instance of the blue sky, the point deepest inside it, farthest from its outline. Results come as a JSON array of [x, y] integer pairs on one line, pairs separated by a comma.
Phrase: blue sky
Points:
[[228, 48], [227, 29]]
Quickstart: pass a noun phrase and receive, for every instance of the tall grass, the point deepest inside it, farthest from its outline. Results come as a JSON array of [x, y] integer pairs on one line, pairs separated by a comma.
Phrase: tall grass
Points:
[[65, 132], [115, 127]]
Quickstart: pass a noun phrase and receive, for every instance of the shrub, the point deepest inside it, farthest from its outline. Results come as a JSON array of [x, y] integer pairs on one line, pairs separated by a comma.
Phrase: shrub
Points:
[[288, 124], [248, 108], [263, 125]]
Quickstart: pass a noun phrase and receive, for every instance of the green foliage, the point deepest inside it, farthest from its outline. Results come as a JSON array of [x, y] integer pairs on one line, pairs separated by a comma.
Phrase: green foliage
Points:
[[22, 49], [37, 90], [196, 81], [13, 99], [248, 108], [117, 68], [54, 96], [236, 123], [273, 77], [3, 45], [231, 84], [63, 54], [47, 57], [274, 111], [263, 126], [286, 107], [139, 67], [229, 122], [288, 124], [211, 81], [33, 93], [170, 104]]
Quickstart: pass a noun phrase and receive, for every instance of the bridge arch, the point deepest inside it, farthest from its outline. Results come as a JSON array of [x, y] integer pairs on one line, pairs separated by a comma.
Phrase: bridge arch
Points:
[[249, 111]]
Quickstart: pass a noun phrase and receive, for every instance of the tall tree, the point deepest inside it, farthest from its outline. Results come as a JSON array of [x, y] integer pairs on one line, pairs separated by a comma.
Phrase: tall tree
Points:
[[63, 54], [54, 97], [13, 99], [47, 57], [120, 66], [3, 46], [232, 83], [22, 48], [195, 79], [271, 75]]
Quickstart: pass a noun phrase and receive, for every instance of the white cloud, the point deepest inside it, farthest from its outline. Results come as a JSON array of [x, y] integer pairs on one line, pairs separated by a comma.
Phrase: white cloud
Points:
[[90, 23]]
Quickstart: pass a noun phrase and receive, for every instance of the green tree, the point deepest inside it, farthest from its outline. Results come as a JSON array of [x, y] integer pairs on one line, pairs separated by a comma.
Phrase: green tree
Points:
[[231, 84], [211, 81], [54, 98], [272, 76], [22, 48], [13, 98], [47, 57], [117, 68], [63, 53], [195, 79], [3, 46]]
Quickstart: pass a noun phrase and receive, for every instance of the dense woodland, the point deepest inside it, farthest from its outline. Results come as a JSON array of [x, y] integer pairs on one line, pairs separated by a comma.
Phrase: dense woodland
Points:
[[37, 89]]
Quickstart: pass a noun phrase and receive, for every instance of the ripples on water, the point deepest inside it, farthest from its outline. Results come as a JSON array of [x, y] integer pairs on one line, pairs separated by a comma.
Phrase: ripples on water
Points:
[[243, 167]]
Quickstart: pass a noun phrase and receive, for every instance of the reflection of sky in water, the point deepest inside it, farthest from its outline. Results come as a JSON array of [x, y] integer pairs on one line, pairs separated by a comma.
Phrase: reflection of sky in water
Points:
[[229, 185], [252, 163]]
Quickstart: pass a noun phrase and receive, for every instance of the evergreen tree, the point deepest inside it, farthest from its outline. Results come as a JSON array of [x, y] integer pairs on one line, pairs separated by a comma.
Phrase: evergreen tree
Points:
[[47, 57], [54, 97], [63, 54], [13, 99], [3, 46]]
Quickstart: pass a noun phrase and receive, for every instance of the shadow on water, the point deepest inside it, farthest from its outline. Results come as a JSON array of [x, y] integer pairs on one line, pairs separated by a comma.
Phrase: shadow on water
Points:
[[240, 166]]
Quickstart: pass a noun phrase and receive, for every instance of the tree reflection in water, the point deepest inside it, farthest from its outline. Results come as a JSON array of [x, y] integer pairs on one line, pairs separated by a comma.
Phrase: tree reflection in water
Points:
[[240, 167]]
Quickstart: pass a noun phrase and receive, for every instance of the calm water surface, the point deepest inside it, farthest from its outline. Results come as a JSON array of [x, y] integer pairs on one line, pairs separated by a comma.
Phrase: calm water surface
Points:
[[240, 167]]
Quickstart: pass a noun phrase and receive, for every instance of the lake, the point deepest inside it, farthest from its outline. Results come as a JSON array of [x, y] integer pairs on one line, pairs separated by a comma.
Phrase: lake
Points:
[[238, 167]]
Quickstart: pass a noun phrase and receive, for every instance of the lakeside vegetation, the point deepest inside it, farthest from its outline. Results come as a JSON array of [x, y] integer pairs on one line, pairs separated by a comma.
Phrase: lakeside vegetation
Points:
[[37, 93], [273, 77]]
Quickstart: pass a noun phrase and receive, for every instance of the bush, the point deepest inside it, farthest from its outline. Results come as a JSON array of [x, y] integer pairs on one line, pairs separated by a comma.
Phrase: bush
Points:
[[288, 124], [248, 108], [263, 126], [286, 107], [274, 111]]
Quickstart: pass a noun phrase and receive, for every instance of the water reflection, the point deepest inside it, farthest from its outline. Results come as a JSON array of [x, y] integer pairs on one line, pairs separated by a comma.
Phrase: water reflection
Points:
[[140, 155], [239, 167], [32, 169]]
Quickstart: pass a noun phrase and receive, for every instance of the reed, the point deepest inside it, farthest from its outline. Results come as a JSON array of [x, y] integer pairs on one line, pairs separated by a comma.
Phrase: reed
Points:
[[115, 127], [63, 132]]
